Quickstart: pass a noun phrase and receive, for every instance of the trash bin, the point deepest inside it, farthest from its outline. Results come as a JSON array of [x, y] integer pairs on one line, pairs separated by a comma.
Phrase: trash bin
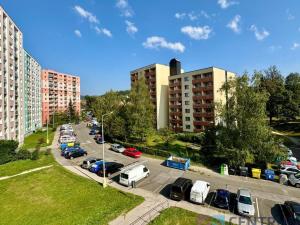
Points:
[[256, 173], [224, 169], [243, 171], [270, 175]]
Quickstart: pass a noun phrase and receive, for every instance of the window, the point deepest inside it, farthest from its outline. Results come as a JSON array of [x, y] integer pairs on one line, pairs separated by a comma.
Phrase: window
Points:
[[187, 110], [188, 127], [186, 87], [187, 118], [186, 79], [186, 94], [187, 102]]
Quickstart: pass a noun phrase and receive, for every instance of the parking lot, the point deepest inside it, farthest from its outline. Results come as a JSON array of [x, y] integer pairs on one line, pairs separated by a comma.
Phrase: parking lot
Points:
[[267, 195]]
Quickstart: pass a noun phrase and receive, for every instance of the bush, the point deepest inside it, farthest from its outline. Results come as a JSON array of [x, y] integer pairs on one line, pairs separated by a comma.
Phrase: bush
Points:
[[7, 150], [48, 151], [23, 154], [35, 154], [191, 137], [41, 141]]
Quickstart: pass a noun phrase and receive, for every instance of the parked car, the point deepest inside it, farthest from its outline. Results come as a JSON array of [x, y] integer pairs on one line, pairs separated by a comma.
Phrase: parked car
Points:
[[117, 148], [199, 192], [288, 170], [133, 175], [99, 140], [86, 164], [75, 153], [93, 132], [245, 205], [181, 189], [67, 150], [110, 168], [67, 139], [97, 136], [291, 212], [222, 198], [132, 152], [294, 179], [96, 166]]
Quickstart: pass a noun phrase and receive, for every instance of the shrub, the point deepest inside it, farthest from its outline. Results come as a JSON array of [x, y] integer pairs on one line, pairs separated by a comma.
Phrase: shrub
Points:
[[35, 154], [7, 150], [191, 137], [48, 151], [23, 154], [41, 141]]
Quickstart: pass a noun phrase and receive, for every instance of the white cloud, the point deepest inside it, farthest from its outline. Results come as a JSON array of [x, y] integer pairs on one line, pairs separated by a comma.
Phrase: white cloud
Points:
[[290, 16], [234, 24], [78, 33], [224, 4], [131, 28], [103, 31], [86, 14], [259, 34], [192, 15], [125, 8], [295, 46], [156, 42], [275, 47], [197, 33]]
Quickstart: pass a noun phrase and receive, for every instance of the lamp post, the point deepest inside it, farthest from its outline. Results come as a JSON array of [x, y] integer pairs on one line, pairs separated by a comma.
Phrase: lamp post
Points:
[[103, 160], [47, 134]]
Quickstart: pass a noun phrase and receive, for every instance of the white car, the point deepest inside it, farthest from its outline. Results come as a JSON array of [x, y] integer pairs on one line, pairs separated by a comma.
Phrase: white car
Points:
[[117, 148], [288, 170], [294, 180], [245, 205]]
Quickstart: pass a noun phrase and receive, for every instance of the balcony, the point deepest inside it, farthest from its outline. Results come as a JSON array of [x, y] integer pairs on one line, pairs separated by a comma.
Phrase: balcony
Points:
[[175, 106], [204, 114], [175, 84], [203, 88], [175, 91], [174, 99], [176, 121], [175, 114], [204, 106], [203, 123]]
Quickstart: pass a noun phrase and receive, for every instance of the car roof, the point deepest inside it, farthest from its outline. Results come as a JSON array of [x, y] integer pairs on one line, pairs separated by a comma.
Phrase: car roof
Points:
[[199, 184], [181, 181], [245, 192], [223, 192]]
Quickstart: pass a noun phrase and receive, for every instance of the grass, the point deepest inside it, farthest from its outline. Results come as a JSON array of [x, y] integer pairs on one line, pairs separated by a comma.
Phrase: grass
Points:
[[33, 140], [178, 216], [19, 166], [56, 196]]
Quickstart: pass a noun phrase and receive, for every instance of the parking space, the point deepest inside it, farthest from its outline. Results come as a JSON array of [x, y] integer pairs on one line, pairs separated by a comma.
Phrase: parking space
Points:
[[266, 194]]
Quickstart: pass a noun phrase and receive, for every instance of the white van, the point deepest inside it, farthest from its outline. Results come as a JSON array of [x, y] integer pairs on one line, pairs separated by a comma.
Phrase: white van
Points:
[[67, 139], [199, 192], [134, 174]]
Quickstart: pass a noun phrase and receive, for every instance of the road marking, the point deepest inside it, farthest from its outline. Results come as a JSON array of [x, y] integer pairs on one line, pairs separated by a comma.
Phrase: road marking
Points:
[[257, 208], [211, 199]]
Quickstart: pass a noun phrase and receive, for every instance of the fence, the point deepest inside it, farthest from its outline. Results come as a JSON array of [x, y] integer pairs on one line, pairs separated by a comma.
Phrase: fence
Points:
[[151, 214]]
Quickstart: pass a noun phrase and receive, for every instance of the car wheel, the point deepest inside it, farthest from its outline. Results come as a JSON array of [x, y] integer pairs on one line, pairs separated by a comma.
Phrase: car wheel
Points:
[[297, 185]]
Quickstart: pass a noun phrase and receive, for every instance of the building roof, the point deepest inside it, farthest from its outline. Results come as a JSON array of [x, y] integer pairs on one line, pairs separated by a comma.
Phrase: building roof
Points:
[[147, 67]]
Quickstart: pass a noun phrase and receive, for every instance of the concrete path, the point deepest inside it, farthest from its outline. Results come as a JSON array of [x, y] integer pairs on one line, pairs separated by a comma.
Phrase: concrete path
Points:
[[26, 172]]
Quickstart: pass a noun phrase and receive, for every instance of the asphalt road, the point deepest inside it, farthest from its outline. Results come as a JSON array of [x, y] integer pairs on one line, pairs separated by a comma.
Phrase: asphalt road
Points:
[[267, 195]]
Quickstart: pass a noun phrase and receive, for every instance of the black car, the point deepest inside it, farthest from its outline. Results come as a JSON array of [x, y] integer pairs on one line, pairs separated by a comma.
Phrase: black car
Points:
[[291, 212], [75, 153], [110, 168], [181, 189], [221, 198]]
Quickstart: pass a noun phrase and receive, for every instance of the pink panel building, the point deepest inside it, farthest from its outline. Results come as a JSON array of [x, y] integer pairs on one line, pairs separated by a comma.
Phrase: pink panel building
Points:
[[58, 90]]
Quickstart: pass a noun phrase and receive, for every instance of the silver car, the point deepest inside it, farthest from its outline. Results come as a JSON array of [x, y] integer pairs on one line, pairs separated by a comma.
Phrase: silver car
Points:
[[288, 170], [294, 180], [245, 205], [117, 148]]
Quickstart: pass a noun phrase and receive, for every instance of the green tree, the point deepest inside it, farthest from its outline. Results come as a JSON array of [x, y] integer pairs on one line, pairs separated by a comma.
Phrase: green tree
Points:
[[140, 111], [292, 102], [167, 135], [71, 111], [244, 136]]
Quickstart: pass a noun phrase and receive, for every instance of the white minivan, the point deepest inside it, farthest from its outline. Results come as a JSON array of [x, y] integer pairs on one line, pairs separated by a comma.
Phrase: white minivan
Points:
[[199, 192], [133, 175], [67, 139]]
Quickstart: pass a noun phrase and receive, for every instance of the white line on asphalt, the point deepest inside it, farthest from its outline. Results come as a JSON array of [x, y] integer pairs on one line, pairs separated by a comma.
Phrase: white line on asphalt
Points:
[[211, 199], [257, 208]]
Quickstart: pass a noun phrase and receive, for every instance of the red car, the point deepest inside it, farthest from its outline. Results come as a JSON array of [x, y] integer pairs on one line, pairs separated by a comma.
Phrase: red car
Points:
[[132, 152]]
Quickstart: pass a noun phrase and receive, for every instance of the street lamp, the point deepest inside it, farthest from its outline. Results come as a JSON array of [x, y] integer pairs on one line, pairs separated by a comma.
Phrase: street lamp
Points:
[[103, 160], [47, 141]]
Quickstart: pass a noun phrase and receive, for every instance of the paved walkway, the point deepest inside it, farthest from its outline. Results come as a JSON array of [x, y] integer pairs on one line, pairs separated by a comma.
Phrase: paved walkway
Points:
[[26, 172], [145, 212]]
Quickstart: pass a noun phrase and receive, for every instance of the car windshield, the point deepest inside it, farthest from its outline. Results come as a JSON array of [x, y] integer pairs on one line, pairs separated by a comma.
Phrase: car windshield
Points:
[[245, 200], [176, 189], [124, 176]]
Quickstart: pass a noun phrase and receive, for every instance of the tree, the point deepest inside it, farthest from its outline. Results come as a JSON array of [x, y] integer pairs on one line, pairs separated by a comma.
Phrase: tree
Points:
[[167, 135], [140, 111], [292, 103], [245, 136], [71, 111]]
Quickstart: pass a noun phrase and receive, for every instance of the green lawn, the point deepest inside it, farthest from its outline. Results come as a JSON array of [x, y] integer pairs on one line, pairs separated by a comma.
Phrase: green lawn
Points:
[[33, 140], [178, 216], [56, 196], [19, 166]]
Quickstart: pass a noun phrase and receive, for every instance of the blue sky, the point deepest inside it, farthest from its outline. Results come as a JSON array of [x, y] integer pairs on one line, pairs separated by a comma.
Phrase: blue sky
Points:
[[102, 40]]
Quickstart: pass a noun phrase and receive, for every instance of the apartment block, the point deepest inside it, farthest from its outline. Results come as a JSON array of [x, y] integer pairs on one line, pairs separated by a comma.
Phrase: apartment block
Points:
[[58, 89], [32, 94], [157, 79], [193, 95], [11, 79]]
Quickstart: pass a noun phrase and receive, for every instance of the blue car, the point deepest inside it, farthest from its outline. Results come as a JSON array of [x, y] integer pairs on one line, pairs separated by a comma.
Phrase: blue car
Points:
[[221, 199], [67, 150], [96, 167], [74, 153]]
